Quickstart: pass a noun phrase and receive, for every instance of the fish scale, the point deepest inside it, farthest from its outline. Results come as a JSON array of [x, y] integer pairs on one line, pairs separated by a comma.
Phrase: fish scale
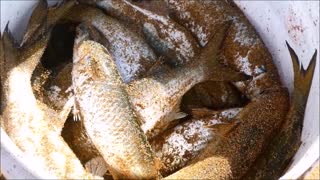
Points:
[[109, 120]]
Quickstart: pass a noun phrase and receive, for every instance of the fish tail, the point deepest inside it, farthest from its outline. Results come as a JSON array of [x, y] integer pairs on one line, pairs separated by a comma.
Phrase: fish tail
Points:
[[8, 60], [302, 77], [37, 19], [214, 70]]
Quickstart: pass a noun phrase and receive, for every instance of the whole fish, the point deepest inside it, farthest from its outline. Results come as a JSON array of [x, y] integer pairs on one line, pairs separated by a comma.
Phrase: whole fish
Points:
[[31, 125], [106, 112], [177, 146], [279, 153], [132, 54], [167, 37], [156, 99], [268, 101]]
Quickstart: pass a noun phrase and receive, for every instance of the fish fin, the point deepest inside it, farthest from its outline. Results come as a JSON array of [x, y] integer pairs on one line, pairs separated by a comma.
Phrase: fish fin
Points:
[[202, 112], [10, 53], [214, 69], [302, 77], [66, 109], [76, 111], [96, 166], [178, 115], [223, 129], [37, 19]]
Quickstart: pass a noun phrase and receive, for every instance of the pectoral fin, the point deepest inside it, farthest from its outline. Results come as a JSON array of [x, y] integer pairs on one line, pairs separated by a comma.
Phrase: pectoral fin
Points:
[[96, 166]]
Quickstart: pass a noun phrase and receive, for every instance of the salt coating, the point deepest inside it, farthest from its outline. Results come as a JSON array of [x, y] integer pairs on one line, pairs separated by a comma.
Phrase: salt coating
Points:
[[175, 38], [241, 36], [128, 49], [177, 144], [231, 113], [54, 95], [244, 64]]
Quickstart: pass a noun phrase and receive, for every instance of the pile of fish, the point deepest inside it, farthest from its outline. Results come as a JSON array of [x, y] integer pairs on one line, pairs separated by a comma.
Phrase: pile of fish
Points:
[[128, 89]]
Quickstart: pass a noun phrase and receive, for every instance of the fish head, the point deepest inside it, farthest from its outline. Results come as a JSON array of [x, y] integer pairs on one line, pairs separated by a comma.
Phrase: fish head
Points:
[[92, 62]]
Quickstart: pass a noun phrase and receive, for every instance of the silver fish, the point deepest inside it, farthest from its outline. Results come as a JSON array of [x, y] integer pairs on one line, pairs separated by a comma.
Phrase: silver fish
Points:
[[106, 111], [156, 99], [177, 146], [132, 54], [244, 51], [167, 37], [31, 125]]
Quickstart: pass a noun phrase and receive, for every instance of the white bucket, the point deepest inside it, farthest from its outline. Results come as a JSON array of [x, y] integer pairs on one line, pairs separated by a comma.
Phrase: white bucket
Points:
[[276, 22]]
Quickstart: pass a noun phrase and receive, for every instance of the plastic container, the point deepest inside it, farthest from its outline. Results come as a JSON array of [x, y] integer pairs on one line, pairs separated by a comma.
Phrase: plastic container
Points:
[[275, 21]]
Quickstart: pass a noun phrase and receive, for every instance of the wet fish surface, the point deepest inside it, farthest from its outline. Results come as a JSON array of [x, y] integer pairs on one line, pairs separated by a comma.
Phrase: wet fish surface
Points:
[[31, 125], [275, 159], [167, 37], [177, 146], [132, 54], [156, 99], [106, 112], [268, 101]]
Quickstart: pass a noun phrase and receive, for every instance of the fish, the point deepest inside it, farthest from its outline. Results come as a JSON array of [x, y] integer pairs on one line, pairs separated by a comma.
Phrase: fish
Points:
[[106, 112], [177, 146], [166, 36], [156, 98], [42, 19], [32, 126], [132, 54], [277, 156], [268, 99]]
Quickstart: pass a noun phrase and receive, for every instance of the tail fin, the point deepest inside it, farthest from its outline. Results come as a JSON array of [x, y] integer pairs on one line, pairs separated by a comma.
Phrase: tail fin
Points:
[[214, 70], [302, 77], [9, 54], [43, 19], [37, 19], [8, 60]]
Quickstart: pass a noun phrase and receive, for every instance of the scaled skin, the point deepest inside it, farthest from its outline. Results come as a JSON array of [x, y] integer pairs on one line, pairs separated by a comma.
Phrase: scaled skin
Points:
[[177, 146], [32, 126], [156, 99], [166, 36], [132, 55], [244, 51], [277, 156], [107, 114]]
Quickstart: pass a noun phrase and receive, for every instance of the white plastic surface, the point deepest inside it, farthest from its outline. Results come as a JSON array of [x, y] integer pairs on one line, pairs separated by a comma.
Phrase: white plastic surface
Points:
[[276, 21]]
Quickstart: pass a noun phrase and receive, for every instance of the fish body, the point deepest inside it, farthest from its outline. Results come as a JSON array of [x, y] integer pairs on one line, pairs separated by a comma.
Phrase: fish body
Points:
[[268, 101], [132, 54], [177, 146], [106, 112], [274, 160], [31, 125], [156, 99], [166, 36]]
